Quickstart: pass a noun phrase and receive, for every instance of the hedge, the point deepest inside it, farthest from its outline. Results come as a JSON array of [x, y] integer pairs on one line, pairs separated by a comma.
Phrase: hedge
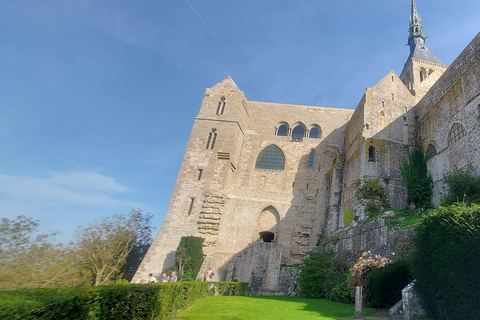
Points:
[[148, 301], [446, 262]]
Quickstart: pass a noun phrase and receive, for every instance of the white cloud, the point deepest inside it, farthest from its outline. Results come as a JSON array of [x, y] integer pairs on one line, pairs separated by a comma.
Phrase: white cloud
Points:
[[84, 188]]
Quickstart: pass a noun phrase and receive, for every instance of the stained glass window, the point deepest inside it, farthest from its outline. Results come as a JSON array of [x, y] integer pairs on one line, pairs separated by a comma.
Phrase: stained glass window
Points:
[[271, 158]]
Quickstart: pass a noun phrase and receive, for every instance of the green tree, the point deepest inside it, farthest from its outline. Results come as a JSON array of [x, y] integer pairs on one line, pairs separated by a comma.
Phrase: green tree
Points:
[[418, 181], [28, 259], [105, 247], [462, 186], [189, 257]]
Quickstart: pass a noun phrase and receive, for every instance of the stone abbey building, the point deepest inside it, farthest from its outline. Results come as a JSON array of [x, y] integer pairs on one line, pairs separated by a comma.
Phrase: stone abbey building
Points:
[[262, 182]]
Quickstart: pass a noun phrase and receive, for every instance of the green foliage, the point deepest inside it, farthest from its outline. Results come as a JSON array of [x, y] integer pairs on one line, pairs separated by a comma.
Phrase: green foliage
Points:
[[462, 186], [321, 273], [446, 261], [403, 219], [386, 284], [348, 217], [372, 195], [28, 260], [418, 181], [189, 257], [155, 301]]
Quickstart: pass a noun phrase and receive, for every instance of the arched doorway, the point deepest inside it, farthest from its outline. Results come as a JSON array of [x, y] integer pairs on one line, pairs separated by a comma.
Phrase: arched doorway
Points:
[[267, 236], [267, 225]]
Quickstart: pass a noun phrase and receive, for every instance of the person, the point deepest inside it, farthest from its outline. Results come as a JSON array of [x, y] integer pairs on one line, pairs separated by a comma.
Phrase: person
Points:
[[234, 279], [209, 274], [164, 278], [151, 278], [174, 277]]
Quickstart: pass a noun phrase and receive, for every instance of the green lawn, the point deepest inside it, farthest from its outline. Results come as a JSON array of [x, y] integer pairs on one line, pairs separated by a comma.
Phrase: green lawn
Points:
[[266, 308]]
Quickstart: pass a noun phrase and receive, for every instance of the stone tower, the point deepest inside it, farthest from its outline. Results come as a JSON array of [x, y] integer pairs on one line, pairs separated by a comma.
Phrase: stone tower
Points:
[[422, 68], [262, 182]]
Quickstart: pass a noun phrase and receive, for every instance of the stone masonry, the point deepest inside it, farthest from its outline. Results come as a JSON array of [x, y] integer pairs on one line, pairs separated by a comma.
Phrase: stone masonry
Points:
[[284, 174]]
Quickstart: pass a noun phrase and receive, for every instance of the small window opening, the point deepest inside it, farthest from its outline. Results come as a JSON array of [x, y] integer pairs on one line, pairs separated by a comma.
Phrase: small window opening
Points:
[[200, 172], [208, 140], [221, 106], [282, 130], [293, 184], [405, 109], [267, 236], [371, 154], [383, 104], [310, 160], [307, 186], [393, 96], [214, 139], [192, 200], [298, 133], [405, 120], [367, 126], [392, 78]]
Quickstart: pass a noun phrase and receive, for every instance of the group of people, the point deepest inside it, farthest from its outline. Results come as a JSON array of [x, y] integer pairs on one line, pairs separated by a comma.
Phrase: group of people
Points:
[[171, 278]]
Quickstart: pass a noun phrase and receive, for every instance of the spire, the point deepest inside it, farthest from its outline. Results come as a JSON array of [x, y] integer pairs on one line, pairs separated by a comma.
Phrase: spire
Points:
[[415, 24], [416, 39]]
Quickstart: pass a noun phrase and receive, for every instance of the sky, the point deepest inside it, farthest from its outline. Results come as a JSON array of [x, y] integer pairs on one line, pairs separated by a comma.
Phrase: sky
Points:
[[98, 97]]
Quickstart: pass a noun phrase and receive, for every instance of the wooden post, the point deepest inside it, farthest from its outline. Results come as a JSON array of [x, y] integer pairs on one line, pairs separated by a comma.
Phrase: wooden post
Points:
[[358, 303]]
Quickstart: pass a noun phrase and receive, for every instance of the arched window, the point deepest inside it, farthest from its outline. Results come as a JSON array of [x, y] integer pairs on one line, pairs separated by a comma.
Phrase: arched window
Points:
[[310, 160], [267, 224], [456, 133], [298, 133], [315, 132], [423, 74], [211, 135], [393, 96], [282, 130], [214, 139], [209, 140], [371, 154], [271, 158], [431, 152], [221, 106]]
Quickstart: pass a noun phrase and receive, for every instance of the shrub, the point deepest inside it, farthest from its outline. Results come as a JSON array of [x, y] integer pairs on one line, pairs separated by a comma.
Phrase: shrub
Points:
[[321, 273], [462, 186], [372, 195], [418, 181], [348, 217], [189, 257], [386, 284], [446, 261], [153, 301]]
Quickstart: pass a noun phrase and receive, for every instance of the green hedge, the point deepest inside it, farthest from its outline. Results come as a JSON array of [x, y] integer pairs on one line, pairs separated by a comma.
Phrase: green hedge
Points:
[[446, 262], [151, 301]]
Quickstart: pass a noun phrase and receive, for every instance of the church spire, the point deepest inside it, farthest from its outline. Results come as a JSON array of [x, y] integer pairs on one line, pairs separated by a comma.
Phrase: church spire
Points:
[[415, 24], [416, 38]]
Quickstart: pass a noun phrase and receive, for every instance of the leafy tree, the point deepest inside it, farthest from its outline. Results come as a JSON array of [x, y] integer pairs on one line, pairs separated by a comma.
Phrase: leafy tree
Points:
[[418, 181], [189, 257], [28, 259], [446, 261], [323, 276], [462, 186], [106, 247]]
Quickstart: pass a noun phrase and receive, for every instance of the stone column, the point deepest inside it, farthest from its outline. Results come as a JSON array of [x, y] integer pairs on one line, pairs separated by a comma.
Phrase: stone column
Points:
[[358, 303]]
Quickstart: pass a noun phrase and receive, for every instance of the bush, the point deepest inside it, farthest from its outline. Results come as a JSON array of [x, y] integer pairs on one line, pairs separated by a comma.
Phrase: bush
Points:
[[417, 180], [446, 262], [321, 273], [189, 257], [153, 301], [462, 186], [385, 285], [372, 195]]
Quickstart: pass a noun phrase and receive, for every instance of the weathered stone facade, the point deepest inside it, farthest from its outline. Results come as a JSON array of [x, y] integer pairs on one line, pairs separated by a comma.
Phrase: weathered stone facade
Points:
[[286, 174]]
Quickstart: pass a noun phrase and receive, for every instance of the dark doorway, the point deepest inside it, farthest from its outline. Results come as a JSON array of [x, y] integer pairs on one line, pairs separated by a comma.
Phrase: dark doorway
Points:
[[267, 236]]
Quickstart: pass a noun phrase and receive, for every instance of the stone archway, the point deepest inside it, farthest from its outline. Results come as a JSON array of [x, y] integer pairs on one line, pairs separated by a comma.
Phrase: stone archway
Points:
[[267, 225]]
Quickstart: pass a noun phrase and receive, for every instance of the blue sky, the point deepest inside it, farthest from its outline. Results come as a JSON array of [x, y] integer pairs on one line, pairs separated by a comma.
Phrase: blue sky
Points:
[[97, 98]]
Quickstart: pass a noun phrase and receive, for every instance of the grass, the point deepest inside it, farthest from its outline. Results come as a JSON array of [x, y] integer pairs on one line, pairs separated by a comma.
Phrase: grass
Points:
[[403, 219], [266, 308]]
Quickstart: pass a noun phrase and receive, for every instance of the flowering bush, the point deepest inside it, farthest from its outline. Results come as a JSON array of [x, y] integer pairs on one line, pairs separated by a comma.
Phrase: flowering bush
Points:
[[366, 264]]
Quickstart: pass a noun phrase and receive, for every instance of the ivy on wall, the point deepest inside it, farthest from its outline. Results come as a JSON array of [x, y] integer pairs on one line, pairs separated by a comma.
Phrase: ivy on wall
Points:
[[418, 181]]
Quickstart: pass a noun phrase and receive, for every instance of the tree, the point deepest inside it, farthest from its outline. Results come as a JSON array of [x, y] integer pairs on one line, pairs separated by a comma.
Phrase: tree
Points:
[[114, 245], [28, 261], [418, 181], [189, 257]]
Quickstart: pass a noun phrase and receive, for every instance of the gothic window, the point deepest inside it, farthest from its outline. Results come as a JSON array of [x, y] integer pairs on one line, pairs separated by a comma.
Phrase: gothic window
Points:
[[423, 74], [431, 152], [214, 139], [221, 106], [208, 140], [310, 160], [211, 135], [298, 133], [282, 130], [271, 158], [371, 154], [315, 132], [456, 133]]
